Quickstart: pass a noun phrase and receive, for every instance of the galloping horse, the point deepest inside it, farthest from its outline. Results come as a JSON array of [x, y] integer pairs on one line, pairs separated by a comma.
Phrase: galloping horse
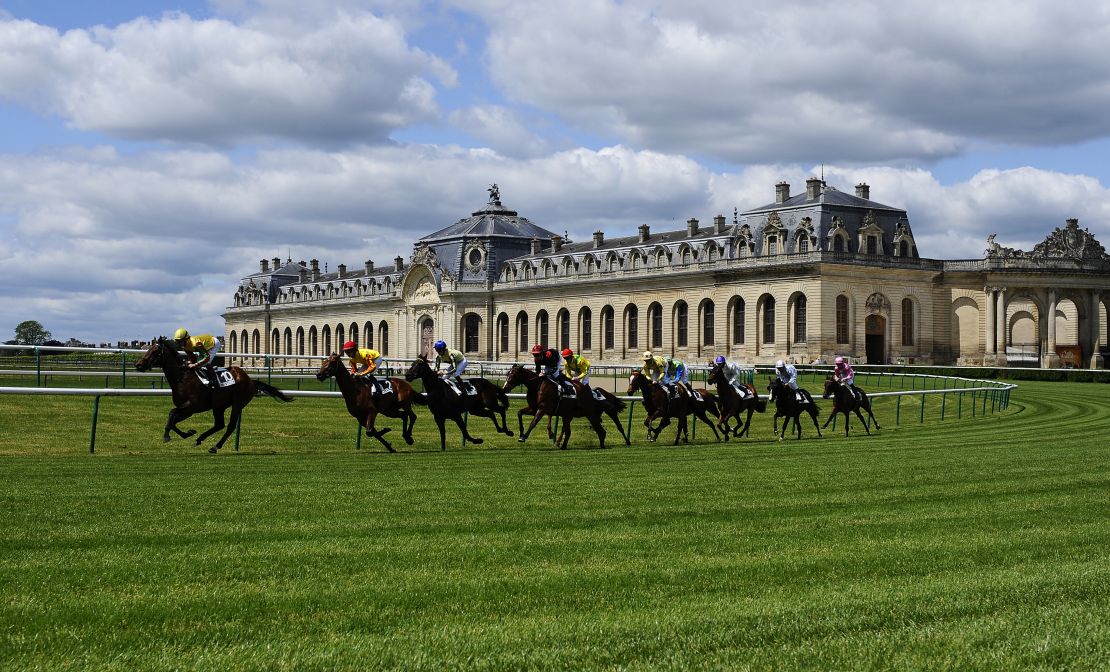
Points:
[[845, 402], [191, 395], [362, 405], [660, 407], [732, 404], [787, 406], [543, 399], [447, 404]]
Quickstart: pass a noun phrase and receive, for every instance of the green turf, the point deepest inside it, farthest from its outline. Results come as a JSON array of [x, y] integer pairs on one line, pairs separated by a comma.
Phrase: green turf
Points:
[[978, 543]]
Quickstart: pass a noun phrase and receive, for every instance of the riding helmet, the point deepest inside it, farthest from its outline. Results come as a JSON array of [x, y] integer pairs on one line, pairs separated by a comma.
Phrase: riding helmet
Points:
[[537, 349], [838, 360], [648, 355], [181, 334], [780, 364], [439, 345], [350, 345], [719, 359], [567, 352]]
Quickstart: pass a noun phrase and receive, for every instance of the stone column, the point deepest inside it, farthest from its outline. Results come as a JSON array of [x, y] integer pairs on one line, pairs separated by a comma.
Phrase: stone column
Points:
[[1051, 360], [990, 342], [1001, 328], [1096, 330]]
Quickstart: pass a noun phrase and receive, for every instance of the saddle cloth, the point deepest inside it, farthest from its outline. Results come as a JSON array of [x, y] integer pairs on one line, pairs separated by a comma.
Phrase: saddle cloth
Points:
[[695, 394], [379, 387], [465, 388], [223, 376], [598, 394]]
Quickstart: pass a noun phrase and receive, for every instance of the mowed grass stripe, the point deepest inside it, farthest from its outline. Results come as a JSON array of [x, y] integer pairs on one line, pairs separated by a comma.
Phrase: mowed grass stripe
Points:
[[973, 544]]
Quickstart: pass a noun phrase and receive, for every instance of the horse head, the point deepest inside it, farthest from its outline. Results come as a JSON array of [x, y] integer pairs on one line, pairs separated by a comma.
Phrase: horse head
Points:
[[830, 387], [714, 372], [635, 382], [515, 377], [329, 367], [774, 387], [419, 367]]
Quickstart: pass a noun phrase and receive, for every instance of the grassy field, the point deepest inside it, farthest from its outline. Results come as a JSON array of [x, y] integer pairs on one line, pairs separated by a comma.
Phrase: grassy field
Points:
[[980, 543]]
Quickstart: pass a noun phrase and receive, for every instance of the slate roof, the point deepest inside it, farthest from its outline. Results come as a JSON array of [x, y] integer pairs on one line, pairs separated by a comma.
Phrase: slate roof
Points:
[[492, 220], [625, 242], [828, 196]]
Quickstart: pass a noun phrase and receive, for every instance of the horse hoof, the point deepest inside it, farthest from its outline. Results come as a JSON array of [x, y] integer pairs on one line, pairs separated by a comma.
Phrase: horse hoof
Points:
[[408, 440], [508, 432], [213, 450], [189, 433], [166, 439], [520, 439], [199, 441], [477, 442], [391, 449]]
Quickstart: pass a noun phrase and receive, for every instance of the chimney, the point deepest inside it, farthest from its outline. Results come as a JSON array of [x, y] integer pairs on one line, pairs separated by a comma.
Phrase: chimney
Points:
[[315, 269], [691, 227], [277, 263], [302, 275], [342, 270], [813, 188], [645, 233], [369, 266], [782, 192], [599, 239], [556, 243], [535, 246], [398, 263], [265, 266], [863, 191], [719, 224]]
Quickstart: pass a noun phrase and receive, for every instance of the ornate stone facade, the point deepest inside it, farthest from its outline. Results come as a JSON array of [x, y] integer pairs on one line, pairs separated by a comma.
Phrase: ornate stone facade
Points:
[[805, 278]]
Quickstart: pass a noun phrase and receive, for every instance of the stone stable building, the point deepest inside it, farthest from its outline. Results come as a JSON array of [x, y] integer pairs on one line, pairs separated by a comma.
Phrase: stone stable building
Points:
[[804, 278]]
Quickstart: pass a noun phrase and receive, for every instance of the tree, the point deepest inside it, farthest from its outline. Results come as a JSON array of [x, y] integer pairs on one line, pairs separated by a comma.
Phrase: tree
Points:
[[31, 332]]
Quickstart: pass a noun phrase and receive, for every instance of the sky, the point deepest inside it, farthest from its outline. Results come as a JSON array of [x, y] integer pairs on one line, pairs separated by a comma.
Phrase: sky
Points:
[[153, 152]]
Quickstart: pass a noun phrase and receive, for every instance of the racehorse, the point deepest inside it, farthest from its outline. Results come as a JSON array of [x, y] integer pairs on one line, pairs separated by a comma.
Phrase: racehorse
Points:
[[365, 407], [732, 404], [543, 398], [660, 407], [192, 395], [845, 402], [447, 404], [787, 406]]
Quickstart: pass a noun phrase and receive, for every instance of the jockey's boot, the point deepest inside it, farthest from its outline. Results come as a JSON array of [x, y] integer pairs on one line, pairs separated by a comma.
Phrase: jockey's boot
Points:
[[213, 382]]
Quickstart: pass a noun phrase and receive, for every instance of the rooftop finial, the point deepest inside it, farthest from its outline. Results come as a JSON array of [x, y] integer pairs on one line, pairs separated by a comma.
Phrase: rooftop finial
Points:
[[494, 194], [735, 215]]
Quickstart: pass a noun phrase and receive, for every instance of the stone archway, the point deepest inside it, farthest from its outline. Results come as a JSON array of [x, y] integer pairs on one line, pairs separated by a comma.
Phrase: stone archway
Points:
[[875, 335], [427, 336]]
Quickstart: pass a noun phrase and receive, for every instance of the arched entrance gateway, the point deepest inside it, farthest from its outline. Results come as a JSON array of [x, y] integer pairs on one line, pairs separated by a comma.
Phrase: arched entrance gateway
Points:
[[494, 279]]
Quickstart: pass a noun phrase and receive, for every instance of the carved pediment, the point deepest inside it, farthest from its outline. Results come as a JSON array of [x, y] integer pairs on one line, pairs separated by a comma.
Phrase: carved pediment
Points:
[[1071, 242], [877, 302]]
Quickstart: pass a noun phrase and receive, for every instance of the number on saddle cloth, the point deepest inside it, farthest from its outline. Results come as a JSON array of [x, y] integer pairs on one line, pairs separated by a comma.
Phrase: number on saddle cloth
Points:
[[598, 394], [223, 376]]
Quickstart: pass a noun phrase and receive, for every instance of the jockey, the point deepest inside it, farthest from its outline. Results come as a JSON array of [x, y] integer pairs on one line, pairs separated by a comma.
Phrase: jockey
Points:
[[674, 373], [843, 373], [576, 367], [734, 375], [654, 367], [204, 345], [364, 361], [454, 360], [787, 374], [547, 361]]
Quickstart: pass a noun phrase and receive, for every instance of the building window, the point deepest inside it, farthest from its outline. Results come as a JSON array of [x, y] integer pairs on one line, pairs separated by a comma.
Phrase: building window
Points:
[[339, 340], [872, 245], [907, 322], [769, 320], [772, 245], [682, 317], [803, 244], [470, 333], [368, 334], [312, 350], [607, 327], [326, 337], [383, 338], [904, 248], [738, 322], [288, 341], [838, 244], [354, 332], [564, 328], [585, 329], [707, 317], [522, 332], [300, 341], [633, 329], [841, 319], [541, 327], [655, 318], [503, 332], [257, 338], [800, 319]]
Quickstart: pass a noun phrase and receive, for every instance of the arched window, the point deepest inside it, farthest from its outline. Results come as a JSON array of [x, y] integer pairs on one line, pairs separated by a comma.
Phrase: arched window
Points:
[[383, 338], [838, 243], [632, 328], [907, 320], [563, 318], [244, 341], [522, 332], [904, 250], [353, 333], [471, 323], [707, 319], [803, 244], [300, 341], [607, 330], [738, 321], [233, 342], [325, 335], [368, 334], [841, 319], [257, 342], [312, 350], [769, 319], [503, 332], [541, 327], [800, 319], [275, 342], [682, 323], [339, 338], [655, 319], [585, 329]]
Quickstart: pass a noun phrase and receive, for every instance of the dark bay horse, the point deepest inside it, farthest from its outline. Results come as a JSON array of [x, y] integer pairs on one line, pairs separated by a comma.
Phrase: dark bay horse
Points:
[[844, 401], [543, 398], [447, 404], [191, 395], [659, 406], [732, 404], [364, 407], [787, 406]]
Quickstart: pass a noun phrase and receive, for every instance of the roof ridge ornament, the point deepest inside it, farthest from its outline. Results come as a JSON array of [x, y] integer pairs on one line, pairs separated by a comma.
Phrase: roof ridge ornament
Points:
[[494, 194]]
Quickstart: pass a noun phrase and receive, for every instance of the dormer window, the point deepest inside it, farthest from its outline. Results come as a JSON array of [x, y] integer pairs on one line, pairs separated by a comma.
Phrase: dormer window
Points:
[[838, 243], [872, 245], [772, 245], [803, 244]]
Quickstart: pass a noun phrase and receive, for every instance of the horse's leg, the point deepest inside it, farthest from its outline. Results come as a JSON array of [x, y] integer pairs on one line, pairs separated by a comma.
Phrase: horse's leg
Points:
[[440, 420], [813, 414], [535, 421], [466, 435], [371, 431], [564, 434], [616, 417], [832, 415], [595, 420], [747, 424], [408, 421], [862, 421], [705, 418], [217, 425], [681, 431], [232, 424], [177, 414], [872, 415]]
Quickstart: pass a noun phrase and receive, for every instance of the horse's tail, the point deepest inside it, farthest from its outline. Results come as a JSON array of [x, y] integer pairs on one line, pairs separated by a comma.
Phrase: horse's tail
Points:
[[268, 390], [502, 399], [761, 405], [617, 402]]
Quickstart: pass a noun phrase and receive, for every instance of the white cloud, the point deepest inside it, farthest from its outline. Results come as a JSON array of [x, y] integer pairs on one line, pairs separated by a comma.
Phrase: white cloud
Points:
[[351, 79], [501, 129]]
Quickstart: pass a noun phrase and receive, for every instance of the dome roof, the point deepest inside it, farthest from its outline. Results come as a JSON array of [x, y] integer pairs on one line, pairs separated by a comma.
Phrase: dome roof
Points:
[[492, 220]]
